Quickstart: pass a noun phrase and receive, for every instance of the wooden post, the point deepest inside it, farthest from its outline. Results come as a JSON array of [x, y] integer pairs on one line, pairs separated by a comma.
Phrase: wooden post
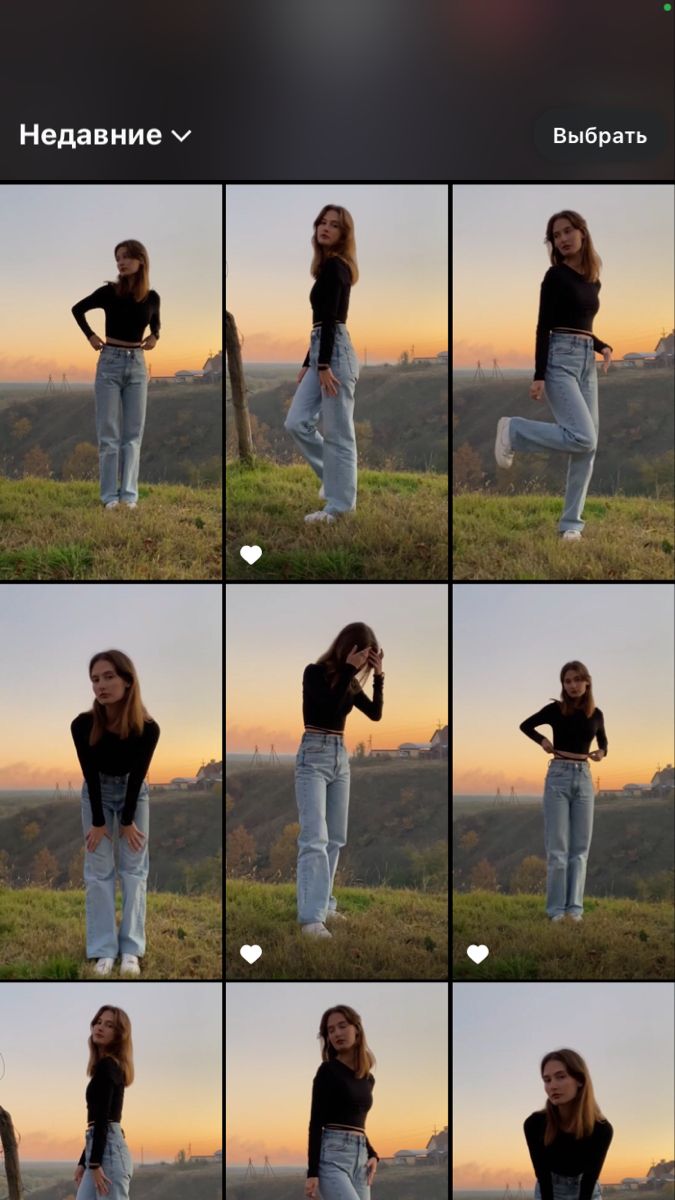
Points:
[[236, 371], [8, 1139]]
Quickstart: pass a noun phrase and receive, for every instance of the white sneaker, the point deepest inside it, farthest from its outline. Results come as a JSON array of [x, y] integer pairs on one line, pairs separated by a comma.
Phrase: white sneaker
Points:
[[316, 929], [571, 535], [322, 494], [559, 917], [128, 504], [322, 515], [104, 966], [503, 447], [575, 917], [129, 965], [113, 504]]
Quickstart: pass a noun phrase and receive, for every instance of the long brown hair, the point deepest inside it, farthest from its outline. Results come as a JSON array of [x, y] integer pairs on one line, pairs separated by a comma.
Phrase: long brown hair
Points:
[[365, 1059], [590, 259], [137, 285], [345, 248], [586, 702], [134, 713], [121, 1048], [357, 634], [585, 1109]]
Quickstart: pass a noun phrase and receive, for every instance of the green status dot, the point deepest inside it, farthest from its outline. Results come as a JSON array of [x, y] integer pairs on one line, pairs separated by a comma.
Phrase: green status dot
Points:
[[667, 7]]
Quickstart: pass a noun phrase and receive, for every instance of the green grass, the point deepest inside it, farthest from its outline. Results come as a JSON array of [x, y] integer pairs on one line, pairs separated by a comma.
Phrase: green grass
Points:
[[51, 530], [515, 537], [398, 531], [388, 934], [617, 939], [42, 934]]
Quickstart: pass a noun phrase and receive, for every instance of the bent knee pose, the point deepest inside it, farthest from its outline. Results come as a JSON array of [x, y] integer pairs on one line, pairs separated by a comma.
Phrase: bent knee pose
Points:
[[105, 1167], [115, 741], [121, 386], [565, 363], [342, 1162], [568, 791], [331, 687], [569, 1138], [329, 373]]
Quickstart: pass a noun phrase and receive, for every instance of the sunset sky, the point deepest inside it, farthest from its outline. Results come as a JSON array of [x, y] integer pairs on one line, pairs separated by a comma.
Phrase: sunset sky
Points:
[[272, 1051], [48, 633], [174, 1100], [501, 1031], [499, 261], [274, 630], [58, 246], [402, 250], [510, 643]]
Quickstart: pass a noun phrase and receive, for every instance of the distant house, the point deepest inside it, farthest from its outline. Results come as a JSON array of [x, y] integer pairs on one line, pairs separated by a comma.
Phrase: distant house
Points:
[[437, 1146], [664, 351], [208, 775], [638, 358], [383, 753], [439, 743], [212, 371], [409, 1158], [414, 749], [187, 376], [663, 781], [183, 783]]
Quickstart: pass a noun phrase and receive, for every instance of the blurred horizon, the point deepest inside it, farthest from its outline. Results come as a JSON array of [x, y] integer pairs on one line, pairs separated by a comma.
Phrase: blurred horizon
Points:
[[499, 261]]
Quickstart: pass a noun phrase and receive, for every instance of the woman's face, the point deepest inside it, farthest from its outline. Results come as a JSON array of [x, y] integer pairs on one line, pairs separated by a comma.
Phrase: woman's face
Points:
[[574, 684], [328, 231], [109, 687], [126, 265], [559, 1085], [103, 1029], [341, 1035], [567, 239]]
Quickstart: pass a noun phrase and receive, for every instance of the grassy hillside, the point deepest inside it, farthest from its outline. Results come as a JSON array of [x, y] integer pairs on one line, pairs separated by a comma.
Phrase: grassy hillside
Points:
[[388, 935], [636, 434], [51, 530], [43, 936], [391, 1183], [153, 1183], [185, 835], [515, 537], [398, 822], [398, 531], [632, 841], [617, 939]]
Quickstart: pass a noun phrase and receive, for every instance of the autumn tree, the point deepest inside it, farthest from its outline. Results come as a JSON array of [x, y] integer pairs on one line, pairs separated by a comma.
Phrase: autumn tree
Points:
[[21, 428], [36, 463], [44, 868], [484, 877], [284, 852], [469, 840], [530, 876], [240, 851], [30, 831], [467, 469], [82, 463]]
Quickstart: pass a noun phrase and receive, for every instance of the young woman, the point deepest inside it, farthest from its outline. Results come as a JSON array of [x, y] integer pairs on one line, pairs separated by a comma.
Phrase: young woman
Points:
[[331, 687], [568, 792], [115, 741], [105, 1167], [569, 1138], [342, 1162], [121, 386], [329, 373], [565, 363]]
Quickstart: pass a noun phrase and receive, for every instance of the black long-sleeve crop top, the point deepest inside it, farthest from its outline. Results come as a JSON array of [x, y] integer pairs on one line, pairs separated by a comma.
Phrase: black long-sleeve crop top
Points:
[[567, 1155], [573, 734], [125, 318], [566, 300], [330, 303], [328, 707], [113, 755], [338, 1098], [105, 1098]]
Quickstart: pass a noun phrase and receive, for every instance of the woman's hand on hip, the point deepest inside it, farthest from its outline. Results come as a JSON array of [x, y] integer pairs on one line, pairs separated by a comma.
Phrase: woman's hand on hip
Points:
[[607, 357], [329, 384], [101, 1181], [311, 1187], [597, 755], [149, 343], [79, 1172], [96, 341], [301, 374], [95, 836], [537, 390], [132, 836], [546, 745], [372, 1168], [358, 658]]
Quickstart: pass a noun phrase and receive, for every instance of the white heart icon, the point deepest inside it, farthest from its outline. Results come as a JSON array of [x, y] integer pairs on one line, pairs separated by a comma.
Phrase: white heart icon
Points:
[[251, 554], [477, 953], [250, 953]]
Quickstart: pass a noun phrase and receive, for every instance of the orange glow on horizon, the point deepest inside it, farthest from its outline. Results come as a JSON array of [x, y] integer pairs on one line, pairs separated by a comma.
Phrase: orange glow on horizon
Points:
[[486, 1177], [163, 768]]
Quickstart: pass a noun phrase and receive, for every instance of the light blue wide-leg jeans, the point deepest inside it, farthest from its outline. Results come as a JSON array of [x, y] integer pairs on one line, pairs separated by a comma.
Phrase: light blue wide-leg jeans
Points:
[[103, 939], [333, 456], [571, 384], [569, 801], [343, 1166], [116, 1162], [322, 795], [120, 392], [566, 1187]]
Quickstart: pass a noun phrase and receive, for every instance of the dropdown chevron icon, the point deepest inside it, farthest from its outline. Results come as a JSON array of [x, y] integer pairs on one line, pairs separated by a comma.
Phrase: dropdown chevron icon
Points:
[[183, 137]]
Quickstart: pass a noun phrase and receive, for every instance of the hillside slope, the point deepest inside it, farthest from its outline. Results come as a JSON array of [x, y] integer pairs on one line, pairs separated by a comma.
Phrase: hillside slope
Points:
[[154, 1183], [617, 939], [392, 1183], [398, 531]]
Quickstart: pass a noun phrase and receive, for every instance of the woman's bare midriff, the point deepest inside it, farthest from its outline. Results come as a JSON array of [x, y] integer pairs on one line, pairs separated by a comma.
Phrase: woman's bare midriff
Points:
[[126, 345], [566, 329], [317, 729]]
